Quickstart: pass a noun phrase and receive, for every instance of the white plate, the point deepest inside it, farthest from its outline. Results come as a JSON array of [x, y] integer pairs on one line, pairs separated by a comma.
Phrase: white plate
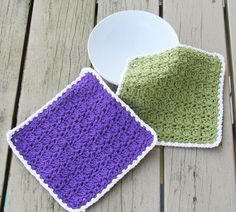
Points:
[[127, 34]]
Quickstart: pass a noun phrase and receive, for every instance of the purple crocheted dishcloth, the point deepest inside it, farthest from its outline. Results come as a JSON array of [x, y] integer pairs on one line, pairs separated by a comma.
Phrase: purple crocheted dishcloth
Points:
[[82, 142]]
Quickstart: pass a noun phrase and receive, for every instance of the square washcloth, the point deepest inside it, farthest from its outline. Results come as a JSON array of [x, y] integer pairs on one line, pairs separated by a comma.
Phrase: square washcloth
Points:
[[179, 93], [81, 142]]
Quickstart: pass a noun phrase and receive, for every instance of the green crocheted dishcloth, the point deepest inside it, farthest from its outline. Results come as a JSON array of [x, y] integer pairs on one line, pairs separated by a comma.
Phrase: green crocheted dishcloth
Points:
[[178, 93]]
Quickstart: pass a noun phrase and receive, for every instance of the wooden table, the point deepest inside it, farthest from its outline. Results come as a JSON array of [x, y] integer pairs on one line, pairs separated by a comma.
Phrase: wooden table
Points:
[[43, 48]]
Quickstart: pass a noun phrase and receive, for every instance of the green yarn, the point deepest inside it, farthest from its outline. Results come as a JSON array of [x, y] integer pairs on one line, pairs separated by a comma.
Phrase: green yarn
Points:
[[177, 93]]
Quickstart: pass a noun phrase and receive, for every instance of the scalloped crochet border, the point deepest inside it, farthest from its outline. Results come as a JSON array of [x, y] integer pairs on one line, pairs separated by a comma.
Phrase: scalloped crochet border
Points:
[[220, 99], [118, 177]]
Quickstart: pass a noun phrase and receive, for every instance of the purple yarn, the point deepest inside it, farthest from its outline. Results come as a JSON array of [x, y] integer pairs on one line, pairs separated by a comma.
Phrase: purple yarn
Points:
[[81, 142]]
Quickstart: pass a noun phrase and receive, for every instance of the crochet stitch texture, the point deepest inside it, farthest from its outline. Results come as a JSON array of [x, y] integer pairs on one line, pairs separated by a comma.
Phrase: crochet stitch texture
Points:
[[82, 143], [179, 94]]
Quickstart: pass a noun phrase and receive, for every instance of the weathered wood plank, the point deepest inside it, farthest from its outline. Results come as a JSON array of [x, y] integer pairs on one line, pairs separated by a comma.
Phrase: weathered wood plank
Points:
[[107, 7], [231, 8], [201, 179], [140, 189], [13, 20], [55, 54]]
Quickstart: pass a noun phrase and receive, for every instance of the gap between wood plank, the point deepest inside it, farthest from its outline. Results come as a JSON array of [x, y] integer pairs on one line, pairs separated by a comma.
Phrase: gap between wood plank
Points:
[[17, 99], [230, 64], [161, 148], [96, 13]]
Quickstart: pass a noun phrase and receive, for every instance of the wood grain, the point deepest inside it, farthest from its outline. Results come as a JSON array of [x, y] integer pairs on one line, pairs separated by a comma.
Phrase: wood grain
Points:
[[231, 18], [13, 19], [55, 54], [201, 179], [140, 189]]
